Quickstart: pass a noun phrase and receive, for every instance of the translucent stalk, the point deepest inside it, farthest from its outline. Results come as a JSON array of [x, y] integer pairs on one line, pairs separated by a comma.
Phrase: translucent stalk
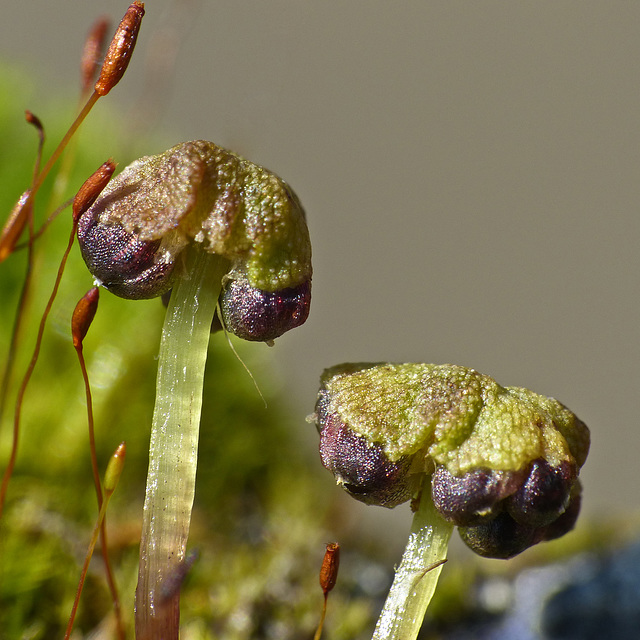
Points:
[[416, 578], [174, 442]]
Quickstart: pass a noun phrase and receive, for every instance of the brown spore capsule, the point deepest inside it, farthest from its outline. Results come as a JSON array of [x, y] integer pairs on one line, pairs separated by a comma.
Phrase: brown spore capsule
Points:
[[91, 189], [360, 467], [257, 315], [15, 225], [120, 50], [33, 119], [83, 316], [92, 52], [329, 568]]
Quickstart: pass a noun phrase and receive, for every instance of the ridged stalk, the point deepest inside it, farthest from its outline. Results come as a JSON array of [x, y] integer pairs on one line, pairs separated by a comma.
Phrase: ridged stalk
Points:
[[417, 576], [173, 449]]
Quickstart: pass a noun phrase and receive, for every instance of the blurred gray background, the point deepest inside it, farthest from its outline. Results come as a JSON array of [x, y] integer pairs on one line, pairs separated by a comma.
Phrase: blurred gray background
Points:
[[470, 172]]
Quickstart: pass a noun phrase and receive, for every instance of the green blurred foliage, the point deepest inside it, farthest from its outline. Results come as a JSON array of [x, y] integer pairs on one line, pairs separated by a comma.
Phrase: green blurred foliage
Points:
[[260, 520]]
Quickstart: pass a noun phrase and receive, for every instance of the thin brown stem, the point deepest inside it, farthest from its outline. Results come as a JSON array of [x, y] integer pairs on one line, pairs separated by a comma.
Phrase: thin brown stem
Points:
[[45, 225], [15, 226], [84, 112], [85, 569], [112, 475], [318, 633], [90, 421], [17, 322], [27, 377], [113, 589], [26, 283]]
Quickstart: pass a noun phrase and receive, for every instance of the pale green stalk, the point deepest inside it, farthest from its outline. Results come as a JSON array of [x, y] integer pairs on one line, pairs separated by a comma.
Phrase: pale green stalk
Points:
[[416, 578], [174, 442]]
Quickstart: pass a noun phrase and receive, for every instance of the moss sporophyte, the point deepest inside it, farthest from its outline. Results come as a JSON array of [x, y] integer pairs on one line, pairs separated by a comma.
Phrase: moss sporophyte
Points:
[[501, 463]]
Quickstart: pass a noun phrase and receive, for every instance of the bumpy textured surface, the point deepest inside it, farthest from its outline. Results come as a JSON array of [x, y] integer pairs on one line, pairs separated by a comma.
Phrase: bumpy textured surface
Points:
[[362, 467], [125, 265], [504, 460], [459, 418], [238, 210], [133, 234]]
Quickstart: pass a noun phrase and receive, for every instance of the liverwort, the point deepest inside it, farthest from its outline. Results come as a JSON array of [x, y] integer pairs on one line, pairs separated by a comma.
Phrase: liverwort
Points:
[[500, 463], [224, 235]]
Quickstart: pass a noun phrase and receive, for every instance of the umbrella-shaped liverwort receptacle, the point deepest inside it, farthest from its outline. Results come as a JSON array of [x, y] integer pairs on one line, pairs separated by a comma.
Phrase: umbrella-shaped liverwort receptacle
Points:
[[501, 463], [133, 236], [223, 234]]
